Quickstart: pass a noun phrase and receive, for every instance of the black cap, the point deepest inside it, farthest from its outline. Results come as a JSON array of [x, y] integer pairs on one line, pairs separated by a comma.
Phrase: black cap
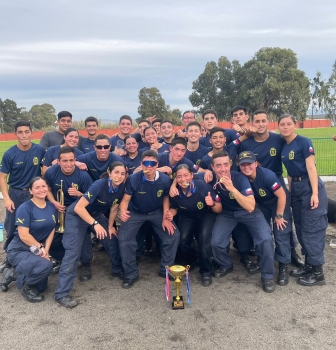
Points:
[[246, 157]]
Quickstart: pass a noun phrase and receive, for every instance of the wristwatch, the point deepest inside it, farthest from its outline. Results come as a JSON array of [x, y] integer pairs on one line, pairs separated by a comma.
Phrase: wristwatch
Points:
[[95, 223], [279, 216]]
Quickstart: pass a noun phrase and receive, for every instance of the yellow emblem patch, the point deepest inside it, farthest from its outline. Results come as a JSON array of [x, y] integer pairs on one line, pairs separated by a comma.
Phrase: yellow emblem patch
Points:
[[273, 152], [262, 193], [53, 217], [200, 205], [35, 161], [231, 195], [291, 155], [159, 193]]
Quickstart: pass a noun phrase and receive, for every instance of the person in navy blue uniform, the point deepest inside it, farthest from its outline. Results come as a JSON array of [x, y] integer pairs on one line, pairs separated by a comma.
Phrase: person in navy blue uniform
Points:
[[239, 206], [74, 183], [35, 222], [97, 162], [151, 139], [274, 204], [167, 130], [267, 147], [88, 211], [71, 138], [156, 124], [197, 204], [195, 151], [146, 199], [91, 126], [218, 142], [132, 159], [308, 199], [210, 120], [21, 162]]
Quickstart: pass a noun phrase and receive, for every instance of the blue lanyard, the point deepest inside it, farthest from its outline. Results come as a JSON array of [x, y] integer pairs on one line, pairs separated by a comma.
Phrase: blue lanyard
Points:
[[111, 189], [189, 190]]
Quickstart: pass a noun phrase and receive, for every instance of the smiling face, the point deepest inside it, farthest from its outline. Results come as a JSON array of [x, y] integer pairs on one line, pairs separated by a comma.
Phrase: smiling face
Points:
[[117, 175], [131, 145], [150, 136], [125, 127], [260, 122], [167, 130], [157, 127], [149, 169], [142, 126], [248, 169], [221, 166], [102, 148], [67, 162], [218, 140], [39, 189], [210, 121], [91, 128], [71, 139], [177, 152], [193, 133], [188, 118], [64, 124], [183, 177]]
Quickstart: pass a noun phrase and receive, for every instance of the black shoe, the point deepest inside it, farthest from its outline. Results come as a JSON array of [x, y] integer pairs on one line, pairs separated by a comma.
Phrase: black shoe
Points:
[[316, 278], [9, 275], [296, 259], [206, 281], [85, 274], [255, 268], [306, 269], [31, 294], [283, 277], [246, 261], [5, 265], [119, 274], [57, 266], [222, 272], [163, 275], [268, 286], [67, 302], [128, 283], [252, 252]]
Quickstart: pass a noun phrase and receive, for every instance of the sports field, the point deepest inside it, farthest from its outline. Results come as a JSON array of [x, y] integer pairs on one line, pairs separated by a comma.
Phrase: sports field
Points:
[[325, 148]]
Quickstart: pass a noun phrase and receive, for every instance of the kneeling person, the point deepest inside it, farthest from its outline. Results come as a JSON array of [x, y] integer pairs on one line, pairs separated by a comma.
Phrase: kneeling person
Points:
[[146, 199]]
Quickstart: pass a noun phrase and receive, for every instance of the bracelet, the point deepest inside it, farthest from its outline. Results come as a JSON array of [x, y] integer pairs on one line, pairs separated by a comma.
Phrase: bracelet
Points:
[[41, 245]]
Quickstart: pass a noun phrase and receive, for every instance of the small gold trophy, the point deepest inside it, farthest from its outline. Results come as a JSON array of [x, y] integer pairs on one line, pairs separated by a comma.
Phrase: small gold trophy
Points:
[[177, 271]]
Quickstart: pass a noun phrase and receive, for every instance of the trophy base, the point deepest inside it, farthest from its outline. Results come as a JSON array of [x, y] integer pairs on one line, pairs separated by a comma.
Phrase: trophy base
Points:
[[177, 304]]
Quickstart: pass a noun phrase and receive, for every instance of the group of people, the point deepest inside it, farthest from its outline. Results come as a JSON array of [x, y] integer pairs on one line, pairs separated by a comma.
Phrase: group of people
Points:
[[182, 188]]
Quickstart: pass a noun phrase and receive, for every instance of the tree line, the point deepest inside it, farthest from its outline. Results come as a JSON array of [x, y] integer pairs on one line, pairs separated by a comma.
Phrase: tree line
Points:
[[270, 80]]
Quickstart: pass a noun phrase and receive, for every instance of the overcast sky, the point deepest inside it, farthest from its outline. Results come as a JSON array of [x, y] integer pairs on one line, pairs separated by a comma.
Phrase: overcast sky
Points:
[[93, 57]]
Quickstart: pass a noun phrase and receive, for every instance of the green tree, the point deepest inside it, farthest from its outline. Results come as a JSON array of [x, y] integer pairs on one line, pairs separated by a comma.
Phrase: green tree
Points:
[[329, 96], [272, 81], [152, 103], [10, 114], [42, 116], [175, 116]]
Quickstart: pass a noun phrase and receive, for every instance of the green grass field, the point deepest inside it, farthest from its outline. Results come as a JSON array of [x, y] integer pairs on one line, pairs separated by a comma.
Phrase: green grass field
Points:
[[325, 148]]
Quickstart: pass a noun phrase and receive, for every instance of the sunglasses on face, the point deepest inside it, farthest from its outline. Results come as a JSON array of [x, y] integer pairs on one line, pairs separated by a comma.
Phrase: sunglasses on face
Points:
[[104, 146], [150, 163]]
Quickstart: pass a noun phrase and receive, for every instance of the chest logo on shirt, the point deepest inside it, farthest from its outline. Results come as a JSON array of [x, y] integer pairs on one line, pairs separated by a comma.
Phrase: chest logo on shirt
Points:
[[35, 161], [262, 193], [159, 193], [76, 186], [198, 162], [53, 217], [291, 155], [273, 152], [200, 205], [231, 195], [115, 201], [20, 221]]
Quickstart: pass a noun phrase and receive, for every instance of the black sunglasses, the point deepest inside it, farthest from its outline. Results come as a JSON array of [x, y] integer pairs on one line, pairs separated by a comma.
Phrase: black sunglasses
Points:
[[101, 147]]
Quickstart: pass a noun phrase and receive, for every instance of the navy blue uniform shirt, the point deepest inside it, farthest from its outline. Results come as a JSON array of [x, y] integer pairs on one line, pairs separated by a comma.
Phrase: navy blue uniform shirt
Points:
[[22, 166], [268, 152], [196, 156], [100, 198], [241, 183], [87, 145], [80, 178], [147, 196], [132, 163], [164, 161], [230, 135], [294, 155], [40, 221], [97, 167], [265, 185], [195, 204], [52, 154]]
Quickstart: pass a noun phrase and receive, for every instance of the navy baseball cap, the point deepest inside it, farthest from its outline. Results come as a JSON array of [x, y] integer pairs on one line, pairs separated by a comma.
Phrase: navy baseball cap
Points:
[[246, 157]]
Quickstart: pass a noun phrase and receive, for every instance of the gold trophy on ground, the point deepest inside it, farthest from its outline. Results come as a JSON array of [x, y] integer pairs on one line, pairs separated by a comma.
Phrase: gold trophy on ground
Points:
[[177, 271]]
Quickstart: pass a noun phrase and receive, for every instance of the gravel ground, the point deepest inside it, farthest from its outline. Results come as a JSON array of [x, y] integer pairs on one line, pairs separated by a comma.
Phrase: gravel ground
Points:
[[233, 313]]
